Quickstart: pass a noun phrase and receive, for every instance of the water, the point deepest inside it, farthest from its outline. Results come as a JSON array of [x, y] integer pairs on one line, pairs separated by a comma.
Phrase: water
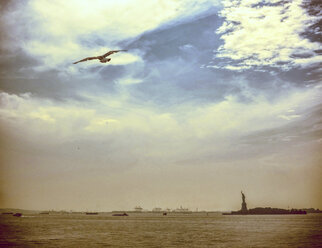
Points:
[[155, 230]]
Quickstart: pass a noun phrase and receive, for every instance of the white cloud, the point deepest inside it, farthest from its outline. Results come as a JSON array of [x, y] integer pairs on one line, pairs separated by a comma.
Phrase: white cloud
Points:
[[267, 35], [129, 81], [289, 117], [176, 133], [186, 47], [60, 31]]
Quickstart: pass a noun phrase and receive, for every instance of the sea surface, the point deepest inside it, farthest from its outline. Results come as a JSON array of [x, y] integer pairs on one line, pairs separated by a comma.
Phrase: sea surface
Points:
[[155, 230]]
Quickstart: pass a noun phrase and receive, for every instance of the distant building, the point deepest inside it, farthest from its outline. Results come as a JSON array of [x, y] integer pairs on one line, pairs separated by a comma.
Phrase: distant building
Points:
[[182, 210], [156, 209], [138, 209]]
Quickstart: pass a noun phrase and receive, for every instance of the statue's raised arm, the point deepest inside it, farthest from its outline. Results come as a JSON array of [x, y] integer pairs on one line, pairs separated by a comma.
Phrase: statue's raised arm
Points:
[[243, 196]]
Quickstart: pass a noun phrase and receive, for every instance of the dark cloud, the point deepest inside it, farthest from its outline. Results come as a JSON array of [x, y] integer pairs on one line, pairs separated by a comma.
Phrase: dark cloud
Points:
[[19, 74], [306, 130], [166, 43], [313, 8], [6, 5], [173, 57]]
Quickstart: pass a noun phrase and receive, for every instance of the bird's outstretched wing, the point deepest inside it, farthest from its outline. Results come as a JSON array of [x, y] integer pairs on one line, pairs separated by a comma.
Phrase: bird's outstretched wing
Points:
[[111, 52], [88, 58]]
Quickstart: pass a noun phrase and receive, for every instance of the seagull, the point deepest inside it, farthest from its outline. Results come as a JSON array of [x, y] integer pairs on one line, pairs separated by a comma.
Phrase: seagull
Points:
[[101, 58]]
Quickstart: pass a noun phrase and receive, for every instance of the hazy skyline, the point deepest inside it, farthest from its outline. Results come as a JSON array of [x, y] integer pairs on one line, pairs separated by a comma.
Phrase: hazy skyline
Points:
[[212, 97]]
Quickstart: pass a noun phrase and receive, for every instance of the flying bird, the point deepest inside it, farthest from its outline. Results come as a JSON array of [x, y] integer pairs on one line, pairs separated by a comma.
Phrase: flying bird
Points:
[[101, 58]]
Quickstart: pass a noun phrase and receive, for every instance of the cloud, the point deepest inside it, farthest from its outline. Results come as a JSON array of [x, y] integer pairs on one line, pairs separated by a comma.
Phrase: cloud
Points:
[[261, 33], [57, 32], [129, 81], [175, 134]]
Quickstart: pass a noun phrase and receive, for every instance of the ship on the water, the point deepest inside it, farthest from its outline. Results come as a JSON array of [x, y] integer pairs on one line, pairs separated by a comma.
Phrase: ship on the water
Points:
[[262, 211], [44, 212], [123, 214], [182, 210]]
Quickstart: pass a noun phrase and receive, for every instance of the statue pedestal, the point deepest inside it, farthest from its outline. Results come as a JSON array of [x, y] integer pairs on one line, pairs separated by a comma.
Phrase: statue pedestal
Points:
[[244, 207]]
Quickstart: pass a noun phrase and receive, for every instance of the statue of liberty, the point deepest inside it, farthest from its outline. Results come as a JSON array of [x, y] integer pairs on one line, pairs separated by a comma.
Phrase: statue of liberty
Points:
[[244, 205]]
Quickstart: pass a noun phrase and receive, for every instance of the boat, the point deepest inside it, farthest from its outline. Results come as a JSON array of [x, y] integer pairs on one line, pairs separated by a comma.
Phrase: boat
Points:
[[91, 213], [123, 214], [17, 214]]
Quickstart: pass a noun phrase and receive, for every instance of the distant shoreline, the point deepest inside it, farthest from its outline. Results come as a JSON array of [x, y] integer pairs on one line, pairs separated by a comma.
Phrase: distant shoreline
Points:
[[3, 211]]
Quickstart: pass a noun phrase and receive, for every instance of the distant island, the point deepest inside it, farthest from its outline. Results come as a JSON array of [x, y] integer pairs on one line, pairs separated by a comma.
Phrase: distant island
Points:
[[312, 211], [266, 210]]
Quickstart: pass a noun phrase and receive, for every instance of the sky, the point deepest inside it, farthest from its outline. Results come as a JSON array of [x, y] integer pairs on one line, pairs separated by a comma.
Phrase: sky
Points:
[[211, 98]]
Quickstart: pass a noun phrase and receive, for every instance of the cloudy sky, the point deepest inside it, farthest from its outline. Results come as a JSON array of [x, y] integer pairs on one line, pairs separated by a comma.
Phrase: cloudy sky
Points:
[[212, 97]]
